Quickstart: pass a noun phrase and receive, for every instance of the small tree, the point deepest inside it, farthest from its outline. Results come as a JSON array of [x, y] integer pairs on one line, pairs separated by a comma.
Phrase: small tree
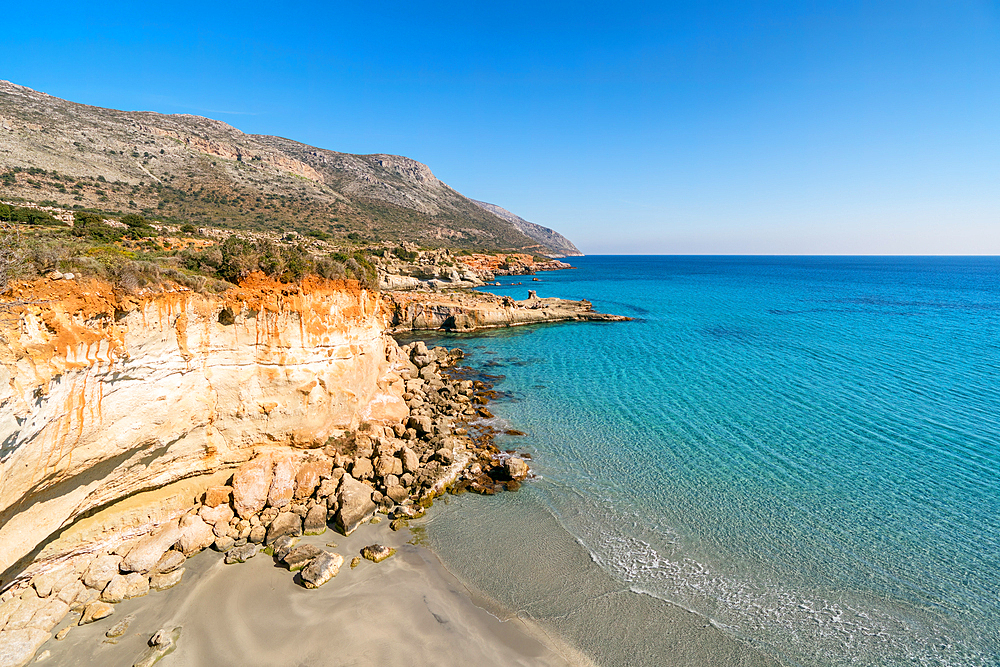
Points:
[[11, 256]]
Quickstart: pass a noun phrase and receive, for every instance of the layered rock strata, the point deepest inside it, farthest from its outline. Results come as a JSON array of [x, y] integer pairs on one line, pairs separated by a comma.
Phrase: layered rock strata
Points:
[[104, 395], [468, 311]]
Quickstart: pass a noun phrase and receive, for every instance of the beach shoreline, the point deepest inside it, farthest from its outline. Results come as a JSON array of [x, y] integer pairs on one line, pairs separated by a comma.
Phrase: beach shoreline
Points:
[[408, 609]]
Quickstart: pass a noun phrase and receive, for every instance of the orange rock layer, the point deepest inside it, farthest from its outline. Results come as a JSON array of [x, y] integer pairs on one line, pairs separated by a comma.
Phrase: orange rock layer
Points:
[[104, 394]]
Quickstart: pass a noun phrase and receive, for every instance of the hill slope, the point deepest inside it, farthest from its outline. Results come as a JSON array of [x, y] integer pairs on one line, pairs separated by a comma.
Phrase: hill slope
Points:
[[556, 242], [185, 168]]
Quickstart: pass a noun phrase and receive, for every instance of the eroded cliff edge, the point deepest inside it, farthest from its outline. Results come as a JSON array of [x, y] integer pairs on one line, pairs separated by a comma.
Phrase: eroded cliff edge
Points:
[[104, 395]]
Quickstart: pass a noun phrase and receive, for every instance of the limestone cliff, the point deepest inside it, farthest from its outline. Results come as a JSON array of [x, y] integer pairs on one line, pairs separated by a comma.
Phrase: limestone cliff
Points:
[[104, 395]]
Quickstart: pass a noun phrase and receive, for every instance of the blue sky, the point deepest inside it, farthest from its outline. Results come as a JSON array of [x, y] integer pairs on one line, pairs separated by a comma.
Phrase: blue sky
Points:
[[697, 127]]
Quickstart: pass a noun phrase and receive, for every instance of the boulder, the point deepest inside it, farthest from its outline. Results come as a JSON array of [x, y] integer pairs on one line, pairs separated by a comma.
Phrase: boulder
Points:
[[315, 521], [515, 468], [114, 592], [163, 581], [18, 647], [44, 582], [144, 555], [95, 611], [287, 523], [195, 535], [397, 493], [309, 477], [300, 556], [422, 423], [101, 570], [444, 455], [216, 515], [384, 465], [410, 460], [86, 596], [362, 468], [251, 484], [20, 615], [283, 545], [257, 534], [282, 483], [323, 568], [328, 487], [241, 554], [377, 552], [217, 495], [169, 562], [355, 504], [223, 543]]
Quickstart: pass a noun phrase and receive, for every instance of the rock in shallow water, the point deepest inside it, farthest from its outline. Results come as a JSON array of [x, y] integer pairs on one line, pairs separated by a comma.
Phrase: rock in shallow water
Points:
[[322, 569], [516, 468]]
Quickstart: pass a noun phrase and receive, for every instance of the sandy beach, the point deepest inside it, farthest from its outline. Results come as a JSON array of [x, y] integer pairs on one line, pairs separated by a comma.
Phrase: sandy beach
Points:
[[407, 610]]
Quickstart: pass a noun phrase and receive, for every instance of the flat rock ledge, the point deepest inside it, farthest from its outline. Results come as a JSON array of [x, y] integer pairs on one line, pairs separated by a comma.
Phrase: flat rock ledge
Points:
[[470, 310]]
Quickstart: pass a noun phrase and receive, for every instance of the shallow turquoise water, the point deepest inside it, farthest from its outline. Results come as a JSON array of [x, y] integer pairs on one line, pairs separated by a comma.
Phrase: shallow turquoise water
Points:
[[805, 450]]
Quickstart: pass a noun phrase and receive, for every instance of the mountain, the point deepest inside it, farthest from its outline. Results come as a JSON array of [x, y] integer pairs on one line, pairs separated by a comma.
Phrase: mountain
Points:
[[184, 168], [559, 245]]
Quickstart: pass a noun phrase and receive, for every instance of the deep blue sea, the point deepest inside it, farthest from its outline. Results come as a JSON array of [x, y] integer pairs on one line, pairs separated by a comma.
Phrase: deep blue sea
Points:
[[802, 449]]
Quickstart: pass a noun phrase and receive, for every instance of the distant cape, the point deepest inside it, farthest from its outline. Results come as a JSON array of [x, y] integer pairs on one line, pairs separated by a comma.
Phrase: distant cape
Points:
[[559, 244]]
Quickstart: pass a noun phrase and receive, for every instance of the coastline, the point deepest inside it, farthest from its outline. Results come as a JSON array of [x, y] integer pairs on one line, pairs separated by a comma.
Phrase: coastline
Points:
[[408, 609], [529, 567]]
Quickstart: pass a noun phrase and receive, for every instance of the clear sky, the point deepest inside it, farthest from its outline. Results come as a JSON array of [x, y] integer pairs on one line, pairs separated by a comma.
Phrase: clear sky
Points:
[[688, 127]]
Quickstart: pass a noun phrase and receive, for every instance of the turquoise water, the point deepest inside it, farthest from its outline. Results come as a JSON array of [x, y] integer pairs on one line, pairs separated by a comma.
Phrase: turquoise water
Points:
[[804, 450]]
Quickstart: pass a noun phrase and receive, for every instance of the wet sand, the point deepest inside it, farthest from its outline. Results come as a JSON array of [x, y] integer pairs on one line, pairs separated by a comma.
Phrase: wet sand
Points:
[[407, 610], [526, 561]]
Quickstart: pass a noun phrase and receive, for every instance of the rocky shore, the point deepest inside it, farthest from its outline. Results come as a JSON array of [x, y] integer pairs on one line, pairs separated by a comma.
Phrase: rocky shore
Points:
[[278, 496], [471, 310]]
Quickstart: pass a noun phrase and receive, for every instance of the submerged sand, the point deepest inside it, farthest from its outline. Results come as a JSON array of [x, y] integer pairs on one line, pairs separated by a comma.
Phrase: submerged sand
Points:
[[407, 610]]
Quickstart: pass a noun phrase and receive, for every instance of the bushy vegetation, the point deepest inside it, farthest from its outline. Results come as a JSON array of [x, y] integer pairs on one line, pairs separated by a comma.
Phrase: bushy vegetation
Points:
[[239, 256], [28, 216]]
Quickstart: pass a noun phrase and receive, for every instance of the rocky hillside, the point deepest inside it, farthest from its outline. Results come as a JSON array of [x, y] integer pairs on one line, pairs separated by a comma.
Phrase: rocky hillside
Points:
[[182, 168], [559, 245]]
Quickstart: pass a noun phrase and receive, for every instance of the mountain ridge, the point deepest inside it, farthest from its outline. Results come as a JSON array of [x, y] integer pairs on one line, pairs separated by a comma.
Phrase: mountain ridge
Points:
[[187, 168], [543, 235]]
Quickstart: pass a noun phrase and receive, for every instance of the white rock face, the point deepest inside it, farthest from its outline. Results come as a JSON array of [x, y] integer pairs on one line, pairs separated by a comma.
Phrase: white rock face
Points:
[[103, 396]]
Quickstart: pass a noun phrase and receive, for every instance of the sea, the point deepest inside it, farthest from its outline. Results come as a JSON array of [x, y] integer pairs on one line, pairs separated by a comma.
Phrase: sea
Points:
[[801, 452]]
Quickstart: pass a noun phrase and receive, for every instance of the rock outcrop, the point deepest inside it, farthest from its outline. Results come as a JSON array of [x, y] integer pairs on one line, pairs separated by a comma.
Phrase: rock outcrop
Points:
[[468, 311], [103, 395]]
